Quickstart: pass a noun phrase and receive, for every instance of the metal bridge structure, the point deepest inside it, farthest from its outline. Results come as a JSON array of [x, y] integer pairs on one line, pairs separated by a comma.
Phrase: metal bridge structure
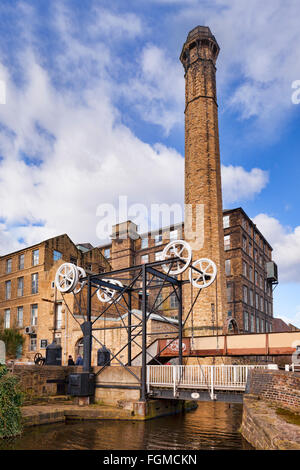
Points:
[[119, 290], [199, 382]]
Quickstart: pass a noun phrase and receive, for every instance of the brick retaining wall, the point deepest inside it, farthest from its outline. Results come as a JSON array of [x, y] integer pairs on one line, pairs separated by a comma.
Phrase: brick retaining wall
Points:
[[280, 387], [35, 383]]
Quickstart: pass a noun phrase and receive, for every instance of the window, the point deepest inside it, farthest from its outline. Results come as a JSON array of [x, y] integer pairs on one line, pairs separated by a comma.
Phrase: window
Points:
[[173, 301], [256, 302], [34, 315], [270, 327], [245, 294], [244, 224], [251, 297], [144, 243], [257, 324], [226, 221], [261, 304], [229, 292], [262, 326], [250, 249], [144, 259], [32, 343], [245, 270], [158, 256], [56, 255], [252, 323], [227, 242], [228, 267], [266, 307], [244, 243], [20, 286], [20, 317], [255, 255], [8, 290], [35, 257], [34, 283], [7, 318], [107, 252], [21, 261], [246, 321], [173, 235], [251, 273], [8, 265], [159, 301], [58, 316], [256, 278], [158, 239]]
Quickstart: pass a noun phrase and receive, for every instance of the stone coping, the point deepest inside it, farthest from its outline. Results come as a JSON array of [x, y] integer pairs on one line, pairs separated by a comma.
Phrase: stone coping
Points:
[[265, 429]]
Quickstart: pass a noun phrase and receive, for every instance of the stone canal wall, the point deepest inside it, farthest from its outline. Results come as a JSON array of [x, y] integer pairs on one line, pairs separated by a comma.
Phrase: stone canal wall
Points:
[[39, 382], [280, 387], [267, 392]]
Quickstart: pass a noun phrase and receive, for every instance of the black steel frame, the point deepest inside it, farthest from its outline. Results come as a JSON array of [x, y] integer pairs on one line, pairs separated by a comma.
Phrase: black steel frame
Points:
[[137, 274]]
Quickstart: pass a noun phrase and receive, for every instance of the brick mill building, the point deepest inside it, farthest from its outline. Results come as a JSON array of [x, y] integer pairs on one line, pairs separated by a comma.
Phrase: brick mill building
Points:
[[240, 301]]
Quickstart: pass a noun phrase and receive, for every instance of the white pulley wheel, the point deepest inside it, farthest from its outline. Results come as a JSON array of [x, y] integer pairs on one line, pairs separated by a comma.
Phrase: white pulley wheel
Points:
[[106, 294], [81, 284], [206, 277], [66, 277], [177, 249]]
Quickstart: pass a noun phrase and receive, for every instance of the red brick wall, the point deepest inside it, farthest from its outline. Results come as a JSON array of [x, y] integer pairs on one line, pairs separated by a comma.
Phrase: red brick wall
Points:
[[280, 387]]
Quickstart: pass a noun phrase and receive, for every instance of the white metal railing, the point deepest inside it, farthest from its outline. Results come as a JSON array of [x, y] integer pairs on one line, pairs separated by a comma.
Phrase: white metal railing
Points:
[[222, 377]]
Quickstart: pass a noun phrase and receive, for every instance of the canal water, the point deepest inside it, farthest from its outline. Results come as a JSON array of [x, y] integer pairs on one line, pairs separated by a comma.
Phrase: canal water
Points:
[[212, 426]]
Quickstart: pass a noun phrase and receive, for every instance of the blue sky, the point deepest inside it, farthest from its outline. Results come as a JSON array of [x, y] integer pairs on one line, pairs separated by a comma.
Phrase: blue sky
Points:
[[94, 110]]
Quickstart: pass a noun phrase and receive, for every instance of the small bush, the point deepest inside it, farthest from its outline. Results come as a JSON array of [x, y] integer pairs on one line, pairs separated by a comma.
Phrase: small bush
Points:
[[11, 398], [13, 339]]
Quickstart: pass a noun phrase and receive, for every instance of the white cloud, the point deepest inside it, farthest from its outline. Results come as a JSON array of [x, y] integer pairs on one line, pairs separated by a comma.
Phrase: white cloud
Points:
[[286, 244], [157, 91], [239, 184]]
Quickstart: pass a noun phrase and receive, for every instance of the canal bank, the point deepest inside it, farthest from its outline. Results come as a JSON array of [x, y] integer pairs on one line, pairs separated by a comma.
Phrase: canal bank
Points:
[[272, 398], [45, 413]]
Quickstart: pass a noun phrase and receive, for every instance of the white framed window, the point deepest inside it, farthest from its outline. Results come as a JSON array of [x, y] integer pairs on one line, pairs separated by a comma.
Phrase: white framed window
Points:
[[34, 283], [58, 316], [56, 255], [246, 321], [20, 317], [35, 257], [7, 318], [228, 267], [34, 315], [158, 256], [21, 261], [251, 297], [173, 235], [245, 270], [229, 292], [256, 301], [32, 343], [244, 243], [20, 286], [144, 259], [158, 239], [8, 290], [226, 221], [262, 326], [245, 294], [8, 265], [107, 253], [173, 301], [227, 242], [144, 243], [252, 323]]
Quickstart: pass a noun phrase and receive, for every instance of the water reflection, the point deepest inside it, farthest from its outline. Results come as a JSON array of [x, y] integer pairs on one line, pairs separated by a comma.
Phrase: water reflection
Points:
[[211, 426]]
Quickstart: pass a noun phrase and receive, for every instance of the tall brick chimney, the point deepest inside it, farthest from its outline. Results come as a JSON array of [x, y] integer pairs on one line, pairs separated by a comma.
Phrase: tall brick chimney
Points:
[[203, 174]]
